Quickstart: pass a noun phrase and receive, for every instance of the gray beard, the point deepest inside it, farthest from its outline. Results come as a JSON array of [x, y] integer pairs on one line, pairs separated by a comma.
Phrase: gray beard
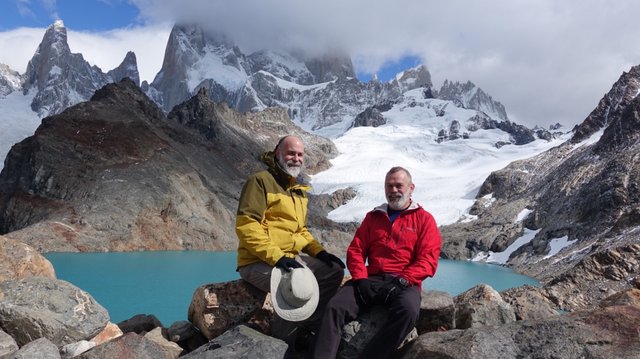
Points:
[[293, 171], [399, 203]]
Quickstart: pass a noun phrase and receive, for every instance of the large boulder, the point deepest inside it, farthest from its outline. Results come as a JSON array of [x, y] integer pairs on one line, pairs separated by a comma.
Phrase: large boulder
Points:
[[40, 307], [7, 344], [437, 312], [41, 348], [529, 302], [239, 343], [482, 305], [18, 260], [217, 307], [171, 349]]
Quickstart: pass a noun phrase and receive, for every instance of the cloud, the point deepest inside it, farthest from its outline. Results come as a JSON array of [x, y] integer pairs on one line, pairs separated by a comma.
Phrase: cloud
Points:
[[547, 61], [24, 8], [108, 49]]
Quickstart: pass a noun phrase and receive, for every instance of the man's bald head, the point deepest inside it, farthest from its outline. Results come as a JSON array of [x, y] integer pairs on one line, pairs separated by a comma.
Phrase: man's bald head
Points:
[[289, 154]]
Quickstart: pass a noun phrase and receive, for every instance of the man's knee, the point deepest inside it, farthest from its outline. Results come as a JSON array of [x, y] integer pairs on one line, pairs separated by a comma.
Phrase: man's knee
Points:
[[407, 307]]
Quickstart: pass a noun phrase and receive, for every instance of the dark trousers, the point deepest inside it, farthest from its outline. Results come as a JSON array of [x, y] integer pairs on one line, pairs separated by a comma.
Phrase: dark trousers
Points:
[[328, 277], [403, 311]]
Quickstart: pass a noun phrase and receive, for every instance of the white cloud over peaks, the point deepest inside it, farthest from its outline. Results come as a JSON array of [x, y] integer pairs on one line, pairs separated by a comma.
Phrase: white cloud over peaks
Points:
[[108, 49], [547, 61]]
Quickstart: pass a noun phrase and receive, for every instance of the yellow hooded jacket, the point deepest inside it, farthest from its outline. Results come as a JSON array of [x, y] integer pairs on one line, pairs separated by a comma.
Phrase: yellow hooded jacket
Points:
[[271, 221]]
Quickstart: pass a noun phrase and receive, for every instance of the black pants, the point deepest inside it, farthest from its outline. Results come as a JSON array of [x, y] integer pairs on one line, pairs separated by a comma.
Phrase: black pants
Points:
[[343, 308]]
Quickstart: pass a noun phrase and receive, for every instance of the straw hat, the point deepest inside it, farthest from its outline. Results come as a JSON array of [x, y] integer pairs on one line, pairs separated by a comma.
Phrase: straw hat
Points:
[[294, 294]]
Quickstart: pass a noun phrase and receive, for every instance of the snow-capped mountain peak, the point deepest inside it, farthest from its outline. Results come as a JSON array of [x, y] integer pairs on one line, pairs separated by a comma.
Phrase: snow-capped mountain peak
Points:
[[61, 78], [10, 80], [468, 95]]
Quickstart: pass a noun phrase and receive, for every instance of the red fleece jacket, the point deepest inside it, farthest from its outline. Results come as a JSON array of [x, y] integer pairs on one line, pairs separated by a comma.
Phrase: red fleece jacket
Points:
[[409, 247]]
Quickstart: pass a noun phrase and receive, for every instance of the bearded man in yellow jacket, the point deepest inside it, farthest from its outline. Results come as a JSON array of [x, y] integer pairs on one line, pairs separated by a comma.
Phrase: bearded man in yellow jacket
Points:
[[272, 232]]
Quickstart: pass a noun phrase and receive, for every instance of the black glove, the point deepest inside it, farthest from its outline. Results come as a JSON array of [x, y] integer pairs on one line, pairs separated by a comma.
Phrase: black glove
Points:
[[287, 263], [363, 291], [329, 258], [391, 289]]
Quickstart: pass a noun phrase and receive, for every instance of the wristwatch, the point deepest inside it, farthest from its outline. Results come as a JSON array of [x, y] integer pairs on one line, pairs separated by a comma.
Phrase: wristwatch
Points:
[[403, 282]]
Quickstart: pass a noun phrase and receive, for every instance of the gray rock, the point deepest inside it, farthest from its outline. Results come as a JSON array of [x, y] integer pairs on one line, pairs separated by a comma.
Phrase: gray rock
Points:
[[240, 342], [140, 323], [627, 297], [7, 344], [129, 345], [186, 335], [604, 333], [40, 307], [480, 306], [74, 349], [218, 307], [171, 349], [40, 348], [19, 260], [529, 302], [437, 312], [181, 330], [595, 277]]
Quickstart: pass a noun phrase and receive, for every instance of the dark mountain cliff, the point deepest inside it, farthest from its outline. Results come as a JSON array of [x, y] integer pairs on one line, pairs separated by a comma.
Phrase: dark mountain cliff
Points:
[[585, 192], [115, 173]]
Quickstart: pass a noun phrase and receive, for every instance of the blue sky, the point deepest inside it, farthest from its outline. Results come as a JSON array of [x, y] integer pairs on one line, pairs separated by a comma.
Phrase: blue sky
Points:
[[89, 15], [546, 61]]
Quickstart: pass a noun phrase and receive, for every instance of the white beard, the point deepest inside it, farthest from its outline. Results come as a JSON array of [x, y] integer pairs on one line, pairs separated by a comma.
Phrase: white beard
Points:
[[289, 168], [399, 203]]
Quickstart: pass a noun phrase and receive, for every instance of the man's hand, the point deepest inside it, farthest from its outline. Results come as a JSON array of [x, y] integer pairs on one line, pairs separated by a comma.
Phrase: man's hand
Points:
[[363, 291], [329, 258], [392, 288], [287, 263]]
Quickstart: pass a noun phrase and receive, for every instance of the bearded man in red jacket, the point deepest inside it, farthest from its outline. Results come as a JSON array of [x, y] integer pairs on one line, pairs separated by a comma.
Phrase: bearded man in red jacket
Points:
[[395, 248]]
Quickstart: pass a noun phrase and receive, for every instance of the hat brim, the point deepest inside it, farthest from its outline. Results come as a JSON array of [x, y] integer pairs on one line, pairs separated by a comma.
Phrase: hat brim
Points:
[[287, 311]]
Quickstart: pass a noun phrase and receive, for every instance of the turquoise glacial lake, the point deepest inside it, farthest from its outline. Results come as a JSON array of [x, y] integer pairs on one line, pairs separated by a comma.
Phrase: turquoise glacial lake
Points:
[[163, 283]]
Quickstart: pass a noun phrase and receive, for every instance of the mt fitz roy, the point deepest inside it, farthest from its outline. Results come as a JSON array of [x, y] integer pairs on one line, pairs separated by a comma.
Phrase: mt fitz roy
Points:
[[212, 103]]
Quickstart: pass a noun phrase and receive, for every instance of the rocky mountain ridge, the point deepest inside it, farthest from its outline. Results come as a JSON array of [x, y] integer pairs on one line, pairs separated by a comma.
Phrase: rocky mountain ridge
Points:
[[583, 193], [115, 173], [319, 92], [9, 80]]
